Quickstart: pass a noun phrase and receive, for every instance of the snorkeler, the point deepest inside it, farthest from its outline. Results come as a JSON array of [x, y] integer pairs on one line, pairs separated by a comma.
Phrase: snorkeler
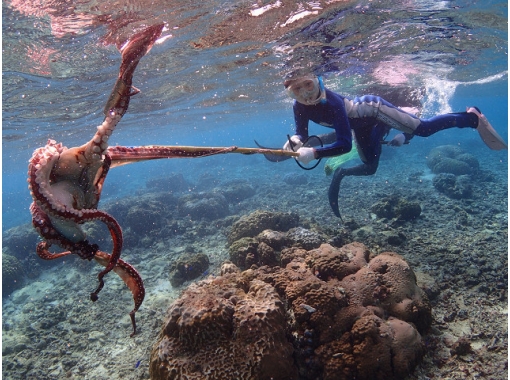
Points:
[[370, 119]]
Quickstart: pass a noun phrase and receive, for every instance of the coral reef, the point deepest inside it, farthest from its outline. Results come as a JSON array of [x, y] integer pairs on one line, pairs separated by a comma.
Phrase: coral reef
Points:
[[236, 191], [12, 274], [346, 317], [304, 238], [452, 186], [246, 252], [188, 268], [20, 241], [206, 205], [264, 249], [396, 207], [451, 159], [145, 216], [295, 179], [258, 221], [224, 328]]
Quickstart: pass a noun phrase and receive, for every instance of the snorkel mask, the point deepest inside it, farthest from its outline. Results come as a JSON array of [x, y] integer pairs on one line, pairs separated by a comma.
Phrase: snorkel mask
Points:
[[308, 90]]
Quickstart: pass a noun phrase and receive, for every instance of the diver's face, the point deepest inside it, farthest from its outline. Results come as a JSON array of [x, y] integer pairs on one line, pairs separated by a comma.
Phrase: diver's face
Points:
[[305, 91]]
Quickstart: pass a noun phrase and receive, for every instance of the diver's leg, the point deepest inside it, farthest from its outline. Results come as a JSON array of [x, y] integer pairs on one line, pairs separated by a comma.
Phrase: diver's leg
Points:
[[369, 149], [383, 111], [438, 123], [473, 118]]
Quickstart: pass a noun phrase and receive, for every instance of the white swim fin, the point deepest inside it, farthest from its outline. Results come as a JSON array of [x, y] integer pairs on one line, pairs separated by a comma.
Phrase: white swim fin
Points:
[[488, 134]]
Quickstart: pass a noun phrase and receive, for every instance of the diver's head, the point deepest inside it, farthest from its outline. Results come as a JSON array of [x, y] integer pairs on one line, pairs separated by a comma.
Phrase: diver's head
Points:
[[307, 89]]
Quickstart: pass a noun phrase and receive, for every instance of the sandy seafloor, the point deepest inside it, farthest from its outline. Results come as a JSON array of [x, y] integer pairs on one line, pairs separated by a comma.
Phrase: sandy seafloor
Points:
[[458, 247]]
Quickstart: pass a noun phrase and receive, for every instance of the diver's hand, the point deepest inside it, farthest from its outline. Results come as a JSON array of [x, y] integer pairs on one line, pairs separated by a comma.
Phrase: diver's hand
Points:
[[398, 140], [306, 155], [297, 143]]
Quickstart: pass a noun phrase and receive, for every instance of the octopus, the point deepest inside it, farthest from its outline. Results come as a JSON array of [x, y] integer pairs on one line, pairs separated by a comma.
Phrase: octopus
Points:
[[66, 183]]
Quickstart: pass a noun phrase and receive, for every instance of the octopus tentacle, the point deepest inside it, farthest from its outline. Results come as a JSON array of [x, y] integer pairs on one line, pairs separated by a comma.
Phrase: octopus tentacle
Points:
[[131, 278], [116, 234], [43, 252], [126, 272]]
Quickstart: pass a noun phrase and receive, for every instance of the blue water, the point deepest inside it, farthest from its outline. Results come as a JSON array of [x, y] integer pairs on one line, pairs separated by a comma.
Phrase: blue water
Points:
[[58, 72]]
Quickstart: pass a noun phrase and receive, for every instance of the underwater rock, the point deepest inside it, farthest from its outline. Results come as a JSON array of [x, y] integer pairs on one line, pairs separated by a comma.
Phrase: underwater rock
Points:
[[451, 159], [242, 252], [125, 209], [330, 313], [258, 221], [264, 248], [461, 347], [207, 181], [304, 238], [188, 268], [224, 328], [453, 166], [206, 205], [170, 183], [20, 241], [246, 252], [144, 217], [407, 210], [327, 261], [12, 274], [396, 207], [236, 191], [295, 179], [452, 186], [275, 239], [394, 238]]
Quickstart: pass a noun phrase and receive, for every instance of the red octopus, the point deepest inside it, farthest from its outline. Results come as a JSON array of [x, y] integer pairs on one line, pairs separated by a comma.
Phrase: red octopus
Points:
[[66, 184]]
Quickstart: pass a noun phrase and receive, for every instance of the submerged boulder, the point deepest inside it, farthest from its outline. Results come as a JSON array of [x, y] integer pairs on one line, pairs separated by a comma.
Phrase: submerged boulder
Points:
[[451, 159], [224, 328], [258, 221], [188, 268], [203, 205], [452, 186], [396, 207]]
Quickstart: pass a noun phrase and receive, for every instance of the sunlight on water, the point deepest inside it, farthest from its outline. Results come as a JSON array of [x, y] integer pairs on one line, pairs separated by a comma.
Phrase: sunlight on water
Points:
[[220, 65]]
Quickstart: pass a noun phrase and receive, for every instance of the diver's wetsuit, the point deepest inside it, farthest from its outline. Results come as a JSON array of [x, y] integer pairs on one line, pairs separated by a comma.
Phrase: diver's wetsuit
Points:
[[370, 118], [360, 114]]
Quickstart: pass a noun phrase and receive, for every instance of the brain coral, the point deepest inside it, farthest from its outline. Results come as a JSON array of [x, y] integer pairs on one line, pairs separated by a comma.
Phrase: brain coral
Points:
[[451, 159], [224, 328], [330, 313], [258, 221]]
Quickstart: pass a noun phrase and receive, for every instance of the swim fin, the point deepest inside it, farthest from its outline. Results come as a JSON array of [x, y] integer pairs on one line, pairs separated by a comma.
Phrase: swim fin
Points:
[[334, 190], [488, 134]]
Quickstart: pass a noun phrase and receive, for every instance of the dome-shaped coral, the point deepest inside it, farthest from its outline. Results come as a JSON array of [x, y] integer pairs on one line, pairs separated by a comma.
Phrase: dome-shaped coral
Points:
[[258, 221], [331, 313], [451, 159], [220, 330]]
